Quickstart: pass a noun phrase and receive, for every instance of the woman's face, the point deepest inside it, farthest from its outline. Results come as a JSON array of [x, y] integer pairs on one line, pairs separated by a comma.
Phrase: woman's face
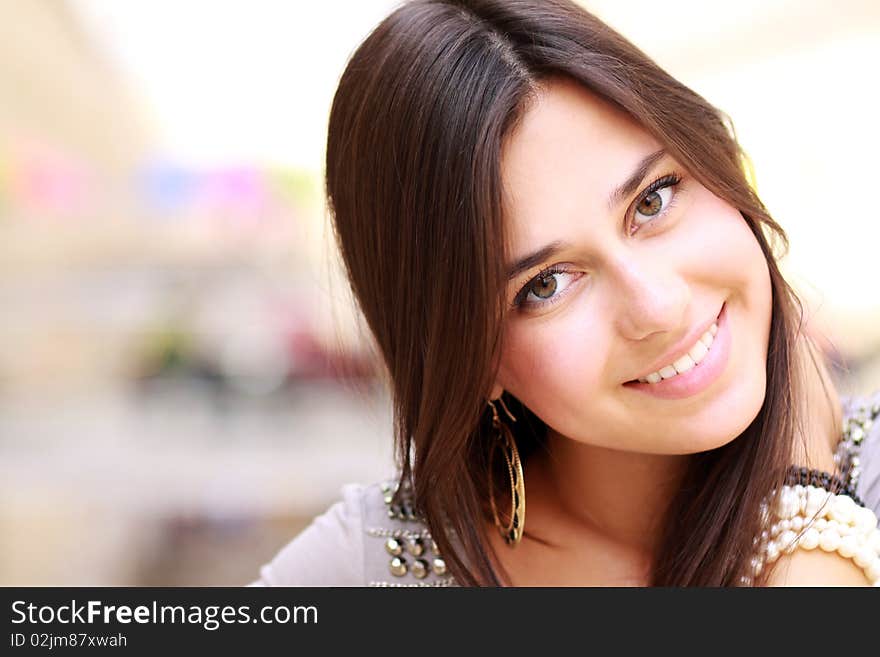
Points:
[[634, 283]]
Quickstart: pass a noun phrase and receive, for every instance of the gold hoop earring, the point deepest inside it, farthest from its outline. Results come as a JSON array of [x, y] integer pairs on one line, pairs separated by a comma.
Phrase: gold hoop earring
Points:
[[512, 531]]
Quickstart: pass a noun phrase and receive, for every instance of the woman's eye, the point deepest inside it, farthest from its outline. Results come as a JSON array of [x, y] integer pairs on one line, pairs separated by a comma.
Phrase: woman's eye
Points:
[[652, 204], [545, 288]]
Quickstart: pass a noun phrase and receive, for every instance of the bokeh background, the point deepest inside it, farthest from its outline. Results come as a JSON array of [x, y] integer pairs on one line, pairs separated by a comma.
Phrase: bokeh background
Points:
[[183, 381]]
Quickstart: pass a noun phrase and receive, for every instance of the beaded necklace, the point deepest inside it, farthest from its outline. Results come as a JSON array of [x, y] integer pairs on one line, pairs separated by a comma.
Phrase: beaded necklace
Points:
[[819, 509]]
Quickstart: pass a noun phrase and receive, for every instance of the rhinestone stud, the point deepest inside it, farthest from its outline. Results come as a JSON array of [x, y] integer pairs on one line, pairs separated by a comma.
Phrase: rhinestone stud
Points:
[[420, 568], [398, 566], [416, 546]]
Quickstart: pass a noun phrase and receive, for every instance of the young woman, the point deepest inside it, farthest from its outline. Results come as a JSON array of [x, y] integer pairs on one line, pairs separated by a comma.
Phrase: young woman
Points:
[[574, 290]]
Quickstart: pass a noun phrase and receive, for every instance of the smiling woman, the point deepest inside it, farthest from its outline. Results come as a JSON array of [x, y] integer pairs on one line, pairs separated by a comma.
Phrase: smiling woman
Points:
[[639, 282], [576, 295]]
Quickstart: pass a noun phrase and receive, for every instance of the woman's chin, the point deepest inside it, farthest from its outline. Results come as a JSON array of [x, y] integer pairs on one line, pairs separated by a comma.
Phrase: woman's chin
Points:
[[728, 422]]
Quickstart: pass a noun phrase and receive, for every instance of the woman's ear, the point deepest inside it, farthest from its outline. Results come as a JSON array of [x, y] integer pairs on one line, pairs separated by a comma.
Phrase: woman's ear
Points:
[[496, 391]]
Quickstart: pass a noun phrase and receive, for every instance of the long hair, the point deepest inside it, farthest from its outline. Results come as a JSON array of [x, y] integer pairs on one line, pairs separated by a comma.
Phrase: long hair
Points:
[[414, 190]]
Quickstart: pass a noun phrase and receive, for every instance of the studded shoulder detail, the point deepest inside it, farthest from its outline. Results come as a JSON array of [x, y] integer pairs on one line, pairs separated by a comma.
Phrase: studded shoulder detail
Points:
[[399, 534], [859, 417]]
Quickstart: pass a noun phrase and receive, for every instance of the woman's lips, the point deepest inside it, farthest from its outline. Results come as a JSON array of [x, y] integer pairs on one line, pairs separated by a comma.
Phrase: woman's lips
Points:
[[699, 377]]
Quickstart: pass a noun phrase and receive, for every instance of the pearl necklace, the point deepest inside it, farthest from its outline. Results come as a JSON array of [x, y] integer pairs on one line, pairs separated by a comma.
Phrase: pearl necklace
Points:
[[808, 517]]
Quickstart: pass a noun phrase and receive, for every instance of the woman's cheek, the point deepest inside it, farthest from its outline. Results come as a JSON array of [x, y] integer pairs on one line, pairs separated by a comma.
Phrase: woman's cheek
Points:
[[551, 367], [721, 239]]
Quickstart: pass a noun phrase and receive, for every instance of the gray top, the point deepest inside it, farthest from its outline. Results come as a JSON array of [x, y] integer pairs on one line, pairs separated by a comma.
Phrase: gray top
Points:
[[364, 540], [355, 543]]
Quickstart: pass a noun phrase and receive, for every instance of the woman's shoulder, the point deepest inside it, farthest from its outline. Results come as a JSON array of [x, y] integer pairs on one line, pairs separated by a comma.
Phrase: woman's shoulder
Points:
[[363, 539], [859, 447]]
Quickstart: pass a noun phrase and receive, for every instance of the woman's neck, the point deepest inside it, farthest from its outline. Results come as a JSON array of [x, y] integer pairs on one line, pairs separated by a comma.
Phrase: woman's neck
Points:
[[621, 496]]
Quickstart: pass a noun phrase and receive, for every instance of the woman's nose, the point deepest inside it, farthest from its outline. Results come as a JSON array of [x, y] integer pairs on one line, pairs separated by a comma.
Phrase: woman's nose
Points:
[[649, 297]]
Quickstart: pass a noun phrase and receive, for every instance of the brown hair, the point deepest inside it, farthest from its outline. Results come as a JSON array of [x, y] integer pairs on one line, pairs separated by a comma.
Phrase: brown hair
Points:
[[413, 184]]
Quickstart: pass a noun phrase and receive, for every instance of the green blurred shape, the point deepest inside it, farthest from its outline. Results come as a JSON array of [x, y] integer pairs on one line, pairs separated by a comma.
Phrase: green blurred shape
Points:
[[298, 187]]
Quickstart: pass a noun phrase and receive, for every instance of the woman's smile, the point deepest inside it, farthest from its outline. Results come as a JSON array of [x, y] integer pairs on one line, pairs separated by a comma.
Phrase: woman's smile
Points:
[[694, 377]]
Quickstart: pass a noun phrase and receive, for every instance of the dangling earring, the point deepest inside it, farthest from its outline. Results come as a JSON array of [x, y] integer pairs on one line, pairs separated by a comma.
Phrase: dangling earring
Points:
[[511, 532]]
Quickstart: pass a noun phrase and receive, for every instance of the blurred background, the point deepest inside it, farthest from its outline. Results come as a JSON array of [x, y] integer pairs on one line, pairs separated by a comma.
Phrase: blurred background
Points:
[[183, 381]]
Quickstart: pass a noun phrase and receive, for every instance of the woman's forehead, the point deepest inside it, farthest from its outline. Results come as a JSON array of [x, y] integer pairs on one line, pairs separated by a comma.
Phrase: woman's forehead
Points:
[[569, 152]]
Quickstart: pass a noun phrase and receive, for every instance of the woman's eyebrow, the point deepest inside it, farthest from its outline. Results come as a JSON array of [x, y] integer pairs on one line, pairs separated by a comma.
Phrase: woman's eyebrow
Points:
[[535, 258], [628, 186]]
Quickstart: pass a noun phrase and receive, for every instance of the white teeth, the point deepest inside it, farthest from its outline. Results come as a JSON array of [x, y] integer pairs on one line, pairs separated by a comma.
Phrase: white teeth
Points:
[[668, 372], [684, 364], [691, 359], [698, 352]]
